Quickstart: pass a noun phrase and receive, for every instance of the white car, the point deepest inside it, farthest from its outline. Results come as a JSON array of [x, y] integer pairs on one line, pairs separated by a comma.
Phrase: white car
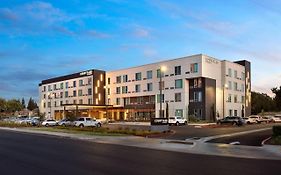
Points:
[[49, 122], [249, 120], [276, 118], [177, 120], [87, 121], [256, 118]]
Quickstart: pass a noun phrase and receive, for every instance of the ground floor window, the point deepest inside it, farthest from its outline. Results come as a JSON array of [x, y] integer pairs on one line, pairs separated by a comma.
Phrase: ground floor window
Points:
[[235, 113], [179, 112], [230, 112]]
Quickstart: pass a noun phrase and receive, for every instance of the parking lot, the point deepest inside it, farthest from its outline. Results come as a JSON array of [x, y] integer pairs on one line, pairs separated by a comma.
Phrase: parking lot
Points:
[[187, 132]]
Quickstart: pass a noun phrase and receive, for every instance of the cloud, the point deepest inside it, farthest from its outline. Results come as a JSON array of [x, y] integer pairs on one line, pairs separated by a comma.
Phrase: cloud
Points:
[[141, 32], [42, 18], [7, 14], [150, 52]]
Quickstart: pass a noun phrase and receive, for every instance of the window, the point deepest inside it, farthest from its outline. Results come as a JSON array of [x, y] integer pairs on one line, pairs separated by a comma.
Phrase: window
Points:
[[138, 76], [195, 83], [80, 92], [138, 88], [149, 87], [158, 73], [74, 93], [230, 112], [149, 74], [89, 101], [44, 96], [90, 91], [49, 88], [66, 101], [118, 79], [44, 105], [74, 83], [242, 88], [242, 75], [49, 104], [178, 70], [80, 82], [177, 97], [108, 91], [235, 74], [61, 94], [229, 98], [61, 85], [235, 113], [118, 91], [235, 86], [178, 83], [125, 78], [89, 81], [158, 98], [61, 103], [44, 88], [235, 99], [243, 99], [66, 94], [197, 96], [194, 68], [66, 85], [80, 101], [55, 87], [199, 82], [229, 72], [179, 112], [124, 89], [229, 85], [108, 80], [74, 101], [55, 104], [117, 101]]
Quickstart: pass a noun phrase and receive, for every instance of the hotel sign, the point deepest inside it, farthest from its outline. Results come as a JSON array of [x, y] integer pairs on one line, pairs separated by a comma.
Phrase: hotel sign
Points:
[[86, 73], [159, 121], [210, 60]]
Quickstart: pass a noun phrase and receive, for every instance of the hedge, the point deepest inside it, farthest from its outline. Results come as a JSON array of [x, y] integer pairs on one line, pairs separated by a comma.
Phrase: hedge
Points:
[[276, 130]]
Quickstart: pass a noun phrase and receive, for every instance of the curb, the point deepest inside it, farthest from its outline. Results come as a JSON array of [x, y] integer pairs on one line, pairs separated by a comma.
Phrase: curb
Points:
[[265, 140]]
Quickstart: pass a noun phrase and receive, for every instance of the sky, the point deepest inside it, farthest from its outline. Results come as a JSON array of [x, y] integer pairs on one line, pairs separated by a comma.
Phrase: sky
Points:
[[44, 39]]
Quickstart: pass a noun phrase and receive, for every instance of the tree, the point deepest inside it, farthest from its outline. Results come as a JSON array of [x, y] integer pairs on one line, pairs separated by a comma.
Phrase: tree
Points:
[[3, 105], [13, 105], [23, 103], [31, 104], [277, 98], [261, 102]]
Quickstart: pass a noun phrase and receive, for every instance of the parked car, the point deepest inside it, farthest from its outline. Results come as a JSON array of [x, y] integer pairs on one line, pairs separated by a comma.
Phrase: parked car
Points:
[[249, 120], [275, 119], [235, 120], [177, 120], [87, 121], [256, 118], [49, 122], [266, 119], [35, 122], [66, 122]]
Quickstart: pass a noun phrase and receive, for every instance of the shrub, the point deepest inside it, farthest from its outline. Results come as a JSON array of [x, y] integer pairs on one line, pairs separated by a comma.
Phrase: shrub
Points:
[[192, 118], [276, 130]]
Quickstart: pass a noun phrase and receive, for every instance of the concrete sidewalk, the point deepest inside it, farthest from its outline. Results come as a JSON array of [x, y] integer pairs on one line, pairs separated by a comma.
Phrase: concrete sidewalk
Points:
[[188, 146]]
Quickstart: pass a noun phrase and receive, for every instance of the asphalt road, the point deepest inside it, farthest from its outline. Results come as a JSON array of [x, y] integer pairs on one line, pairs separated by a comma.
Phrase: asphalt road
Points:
[[41, 155], [186, 132], [252, 139]]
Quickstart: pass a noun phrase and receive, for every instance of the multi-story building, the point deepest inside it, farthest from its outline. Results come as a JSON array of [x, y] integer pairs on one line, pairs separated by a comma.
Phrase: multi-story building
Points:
[[66, 93], [198, 85]]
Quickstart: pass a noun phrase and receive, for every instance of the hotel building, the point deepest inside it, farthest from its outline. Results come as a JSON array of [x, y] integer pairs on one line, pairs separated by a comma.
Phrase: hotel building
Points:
[[198, 85]]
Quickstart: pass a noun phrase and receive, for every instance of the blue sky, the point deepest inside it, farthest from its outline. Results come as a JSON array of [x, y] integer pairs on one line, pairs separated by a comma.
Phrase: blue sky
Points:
[[43, 39]]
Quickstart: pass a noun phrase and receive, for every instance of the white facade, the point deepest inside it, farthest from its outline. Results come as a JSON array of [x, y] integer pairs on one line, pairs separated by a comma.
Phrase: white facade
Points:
[[208, 67]]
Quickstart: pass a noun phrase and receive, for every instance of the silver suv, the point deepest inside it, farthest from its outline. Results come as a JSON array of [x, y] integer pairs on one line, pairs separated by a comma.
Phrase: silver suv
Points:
[[177, 120]]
